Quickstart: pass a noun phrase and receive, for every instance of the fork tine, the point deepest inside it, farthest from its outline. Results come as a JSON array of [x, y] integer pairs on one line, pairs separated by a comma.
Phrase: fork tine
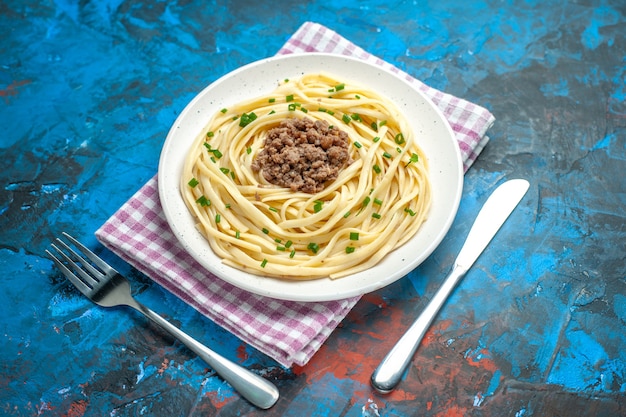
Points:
[[95, 277], [92, 256], [78, 283]]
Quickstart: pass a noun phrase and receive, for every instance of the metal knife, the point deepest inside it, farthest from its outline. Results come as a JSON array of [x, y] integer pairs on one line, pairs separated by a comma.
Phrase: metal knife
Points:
[[492, 215]]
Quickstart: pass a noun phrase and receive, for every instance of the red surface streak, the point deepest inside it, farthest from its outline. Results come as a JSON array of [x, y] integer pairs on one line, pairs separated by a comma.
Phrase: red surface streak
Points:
[[454, 411], [374, 299], [242, 354], [436, 328], [77, 409], [484, 362], [344, 364], [219, 401], [11, 89]]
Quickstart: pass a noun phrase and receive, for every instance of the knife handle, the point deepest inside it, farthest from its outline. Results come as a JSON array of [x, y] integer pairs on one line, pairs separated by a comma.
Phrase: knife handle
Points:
[[390, 370]]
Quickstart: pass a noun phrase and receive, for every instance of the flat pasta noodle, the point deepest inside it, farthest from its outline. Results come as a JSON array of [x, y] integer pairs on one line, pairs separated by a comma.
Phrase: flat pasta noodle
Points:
[[376, 203]]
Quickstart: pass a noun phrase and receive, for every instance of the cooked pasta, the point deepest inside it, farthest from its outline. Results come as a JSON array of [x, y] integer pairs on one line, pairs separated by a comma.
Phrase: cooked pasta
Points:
[[378, 200]]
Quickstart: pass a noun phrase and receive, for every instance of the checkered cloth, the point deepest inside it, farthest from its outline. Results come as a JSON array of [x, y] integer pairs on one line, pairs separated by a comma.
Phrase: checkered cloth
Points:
[[288, 331]]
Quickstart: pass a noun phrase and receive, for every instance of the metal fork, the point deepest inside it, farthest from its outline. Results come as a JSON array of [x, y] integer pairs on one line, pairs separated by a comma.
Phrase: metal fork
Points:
[[108, 288]]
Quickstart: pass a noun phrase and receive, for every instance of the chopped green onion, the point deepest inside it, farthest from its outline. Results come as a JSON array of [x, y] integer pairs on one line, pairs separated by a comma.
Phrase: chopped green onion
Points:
[[274, 209], [227, 205], [378, 201], [237, 235], [354, 235], [318, 206], [203, 201], [248, 150], [264, 230], [288, 244], [291, 107], [399, 138], [272, 112], [272, 100], [411, 212], [366, 201], [350, 249], [376, 215], [313, 247], [374, 126], [224, 110], [263, 263], [277, 240], [281, 248], [356, 117], [340, 87], [304, 110], [225, 170], [358, 145], [358, 97], [247, 118], [387, 155], [293, 253], [209, 134], [381, 124], [376, 169], [376, 139], [218, 218], [289, 98], [345, 216], [346, 119], [193, 182]]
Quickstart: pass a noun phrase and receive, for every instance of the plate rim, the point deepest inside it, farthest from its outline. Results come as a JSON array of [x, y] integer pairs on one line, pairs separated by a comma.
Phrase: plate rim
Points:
[[302, 296]]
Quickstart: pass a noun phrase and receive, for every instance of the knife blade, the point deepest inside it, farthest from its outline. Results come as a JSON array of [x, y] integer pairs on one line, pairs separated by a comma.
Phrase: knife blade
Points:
[[491, 217]]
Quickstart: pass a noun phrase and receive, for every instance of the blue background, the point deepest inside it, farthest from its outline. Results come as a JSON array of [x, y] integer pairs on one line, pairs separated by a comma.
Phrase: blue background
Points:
[[88, 91]]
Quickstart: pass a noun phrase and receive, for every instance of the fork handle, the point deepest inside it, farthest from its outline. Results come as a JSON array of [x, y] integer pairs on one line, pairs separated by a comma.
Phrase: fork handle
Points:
[[251, 386]]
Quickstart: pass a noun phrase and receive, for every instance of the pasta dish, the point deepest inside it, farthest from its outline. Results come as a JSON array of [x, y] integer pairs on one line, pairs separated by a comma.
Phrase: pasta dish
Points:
[[319, 178]]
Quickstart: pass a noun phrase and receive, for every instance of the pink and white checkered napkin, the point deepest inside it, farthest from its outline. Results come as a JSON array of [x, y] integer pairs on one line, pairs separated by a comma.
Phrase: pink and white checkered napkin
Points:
[[290, 332]]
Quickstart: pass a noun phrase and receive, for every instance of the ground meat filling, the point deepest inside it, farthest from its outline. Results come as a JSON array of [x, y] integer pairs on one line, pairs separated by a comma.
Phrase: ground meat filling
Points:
[[303, 155]]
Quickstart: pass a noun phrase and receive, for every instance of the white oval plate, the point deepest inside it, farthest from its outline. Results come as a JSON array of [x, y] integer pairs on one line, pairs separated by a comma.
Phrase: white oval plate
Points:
[[434, 135]]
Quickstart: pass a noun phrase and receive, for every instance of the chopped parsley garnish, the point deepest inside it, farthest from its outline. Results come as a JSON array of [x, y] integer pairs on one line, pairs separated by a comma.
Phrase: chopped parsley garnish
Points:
[[414, 158]]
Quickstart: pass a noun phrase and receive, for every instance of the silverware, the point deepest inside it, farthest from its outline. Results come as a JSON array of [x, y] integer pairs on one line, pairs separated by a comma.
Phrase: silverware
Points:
[[490, 218], [108, 288]]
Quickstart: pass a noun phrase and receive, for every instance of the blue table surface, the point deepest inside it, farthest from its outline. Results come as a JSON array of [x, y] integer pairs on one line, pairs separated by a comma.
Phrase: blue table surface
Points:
[[88, 92]]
